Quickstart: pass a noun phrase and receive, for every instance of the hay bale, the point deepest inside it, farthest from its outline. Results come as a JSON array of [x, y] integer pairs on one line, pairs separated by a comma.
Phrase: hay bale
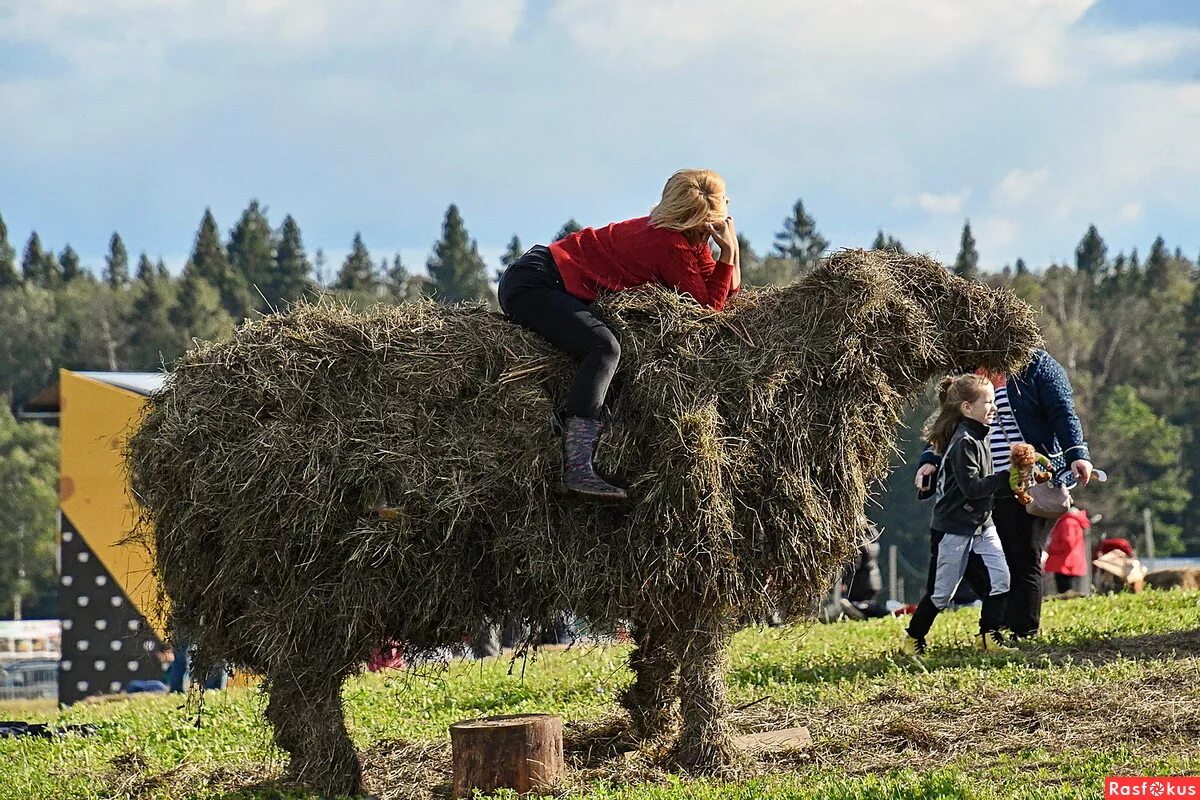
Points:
[[1187, 578], [747, 440]]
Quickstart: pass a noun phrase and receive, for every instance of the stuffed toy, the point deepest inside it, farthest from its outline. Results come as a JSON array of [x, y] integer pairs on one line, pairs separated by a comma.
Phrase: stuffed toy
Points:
[[1028, 466]]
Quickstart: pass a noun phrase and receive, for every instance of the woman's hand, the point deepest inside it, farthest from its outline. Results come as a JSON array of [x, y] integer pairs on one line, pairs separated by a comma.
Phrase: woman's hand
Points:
[[1083, 471], [726, 238]]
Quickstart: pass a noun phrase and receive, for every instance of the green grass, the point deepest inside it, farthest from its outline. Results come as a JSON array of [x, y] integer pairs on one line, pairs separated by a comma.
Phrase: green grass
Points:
[[1113, 688]]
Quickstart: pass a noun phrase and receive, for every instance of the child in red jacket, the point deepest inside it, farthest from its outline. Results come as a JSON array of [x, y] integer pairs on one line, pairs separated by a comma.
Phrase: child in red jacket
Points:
[[1066, 555]]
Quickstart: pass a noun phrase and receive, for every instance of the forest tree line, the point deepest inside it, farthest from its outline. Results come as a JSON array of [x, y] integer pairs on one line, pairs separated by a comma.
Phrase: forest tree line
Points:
[[1125, 326]]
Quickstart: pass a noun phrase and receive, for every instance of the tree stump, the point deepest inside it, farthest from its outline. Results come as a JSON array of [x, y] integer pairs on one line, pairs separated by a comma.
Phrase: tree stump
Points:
[[523, 752]]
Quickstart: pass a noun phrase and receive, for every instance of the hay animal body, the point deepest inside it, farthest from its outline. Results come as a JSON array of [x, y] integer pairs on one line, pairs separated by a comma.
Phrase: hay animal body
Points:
[[747, 438]]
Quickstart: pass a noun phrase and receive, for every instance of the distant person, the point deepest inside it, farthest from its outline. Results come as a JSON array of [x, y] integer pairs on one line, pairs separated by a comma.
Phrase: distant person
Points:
[[862, 581], [179, 667], [550, 290], [1066, 555], [963, 540], [1036, 406]]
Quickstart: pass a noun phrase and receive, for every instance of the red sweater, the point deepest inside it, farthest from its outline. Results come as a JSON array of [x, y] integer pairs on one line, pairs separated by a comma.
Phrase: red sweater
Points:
[[626, 254], [1066, 554]]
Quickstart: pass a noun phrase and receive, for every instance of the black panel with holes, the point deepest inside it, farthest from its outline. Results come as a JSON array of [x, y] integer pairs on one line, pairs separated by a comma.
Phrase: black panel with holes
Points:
[[106, 642]]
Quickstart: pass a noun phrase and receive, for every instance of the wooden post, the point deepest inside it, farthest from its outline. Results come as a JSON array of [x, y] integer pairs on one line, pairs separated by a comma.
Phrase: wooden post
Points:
[[523, 752], [1148, 525], [893, 588]]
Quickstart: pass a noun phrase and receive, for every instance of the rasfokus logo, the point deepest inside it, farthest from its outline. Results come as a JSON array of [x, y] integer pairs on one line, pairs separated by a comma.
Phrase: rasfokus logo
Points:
[[1164, 787]]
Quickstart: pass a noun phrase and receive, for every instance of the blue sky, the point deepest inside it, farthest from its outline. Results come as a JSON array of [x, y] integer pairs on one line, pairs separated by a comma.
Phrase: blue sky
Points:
[[1032, 117]]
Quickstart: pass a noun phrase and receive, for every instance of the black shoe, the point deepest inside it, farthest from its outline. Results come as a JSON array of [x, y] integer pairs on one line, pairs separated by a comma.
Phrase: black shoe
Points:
[[994, 642], [913, 645]]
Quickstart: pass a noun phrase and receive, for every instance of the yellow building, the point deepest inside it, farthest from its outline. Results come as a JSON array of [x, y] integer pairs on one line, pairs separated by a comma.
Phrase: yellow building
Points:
[[111, 631]]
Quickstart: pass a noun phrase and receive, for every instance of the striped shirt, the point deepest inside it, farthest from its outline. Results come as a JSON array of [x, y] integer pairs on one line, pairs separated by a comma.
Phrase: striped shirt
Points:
[[1004, 433]]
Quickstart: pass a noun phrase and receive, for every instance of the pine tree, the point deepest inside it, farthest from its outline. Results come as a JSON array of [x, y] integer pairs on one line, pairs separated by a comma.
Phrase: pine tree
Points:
[[290, 278], [153, 340], [116, 263], [456, 268], [1157, 266], [400, 284], [33, 262], [251, 252], [8, 260], [569, 227], [966, 265], [160, 269], [51, 270], [887, 243], [1189, 388], [799, 240], [357, 273], [210, 261], [1092, 253], [512, 252], [1021, 268], [71, 269], [145, 269], [751, 262], [319, 268], [197, 312]]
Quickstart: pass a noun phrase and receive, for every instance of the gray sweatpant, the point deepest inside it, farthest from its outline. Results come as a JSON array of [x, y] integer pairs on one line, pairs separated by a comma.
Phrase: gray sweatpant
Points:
[[953, 555]]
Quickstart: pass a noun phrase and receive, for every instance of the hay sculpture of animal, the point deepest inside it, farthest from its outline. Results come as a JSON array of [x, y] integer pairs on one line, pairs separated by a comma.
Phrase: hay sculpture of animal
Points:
[[747, 439], [1028, 467]]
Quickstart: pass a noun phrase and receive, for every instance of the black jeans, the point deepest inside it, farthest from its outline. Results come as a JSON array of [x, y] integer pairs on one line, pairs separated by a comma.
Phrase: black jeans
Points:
[[1023, 537], [991, 616], [1068, 583], [531, 292]]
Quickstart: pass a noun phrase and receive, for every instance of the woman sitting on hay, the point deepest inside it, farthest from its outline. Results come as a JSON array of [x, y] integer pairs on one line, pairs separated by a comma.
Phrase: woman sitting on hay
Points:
[[550, 289]]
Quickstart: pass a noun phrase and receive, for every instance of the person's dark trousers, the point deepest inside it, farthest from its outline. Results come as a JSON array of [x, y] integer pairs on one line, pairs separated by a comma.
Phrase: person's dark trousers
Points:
[[177, 673], [532, 293], [1023, 537], [991, 617], [1067, 583]]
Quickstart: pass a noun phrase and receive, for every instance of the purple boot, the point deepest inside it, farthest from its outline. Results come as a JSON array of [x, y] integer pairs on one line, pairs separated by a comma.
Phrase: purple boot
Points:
[[578, 473]]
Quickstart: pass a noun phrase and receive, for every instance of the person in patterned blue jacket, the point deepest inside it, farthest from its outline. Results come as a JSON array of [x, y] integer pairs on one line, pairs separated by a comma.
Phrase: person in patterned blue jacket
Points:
[[1037, 406]]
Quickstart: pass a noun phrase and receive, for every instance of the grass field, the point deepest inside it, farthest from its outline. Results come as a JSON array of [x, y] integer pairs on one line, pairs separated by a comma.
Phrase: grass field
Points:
[[1112, 688]]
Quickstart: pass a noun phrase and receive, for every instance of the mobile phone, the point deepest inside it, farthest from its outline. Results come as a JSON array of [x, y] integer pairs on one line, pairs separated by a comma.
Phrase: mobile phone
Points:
[[926, 483]]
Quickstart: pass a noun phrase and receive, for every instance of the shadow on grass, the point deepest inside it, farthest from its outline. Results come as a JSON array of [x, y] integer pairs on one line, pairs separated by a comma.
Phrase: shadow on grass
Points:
[[1036, 655]]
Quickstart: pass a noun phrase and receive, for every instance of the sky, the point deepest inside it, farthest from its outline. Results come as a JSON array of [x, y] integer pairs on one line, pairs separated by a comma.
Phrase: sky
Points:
[[1032, 118]]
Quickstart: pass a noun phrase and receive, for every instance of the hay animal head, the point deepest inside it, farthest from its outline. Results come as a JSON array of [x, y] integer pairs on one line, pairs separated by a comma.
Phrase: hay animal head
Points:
[[906, 314], [977, 326]]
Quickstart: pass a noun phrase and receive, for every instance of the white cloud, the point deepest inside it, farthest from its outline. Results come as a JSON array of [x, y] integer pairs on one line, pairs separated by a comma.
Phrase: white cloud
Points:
[[1130, 212], [997, 232], [1020, 185], [1002, 107], [946, 203], [99, 36]]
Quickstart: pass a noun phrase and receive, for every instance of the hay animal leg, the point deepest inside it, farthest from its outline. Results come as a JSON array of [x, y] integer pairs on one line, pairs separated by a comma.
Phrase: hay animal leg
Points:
[[705, 743], [305, 709], [651, 700]]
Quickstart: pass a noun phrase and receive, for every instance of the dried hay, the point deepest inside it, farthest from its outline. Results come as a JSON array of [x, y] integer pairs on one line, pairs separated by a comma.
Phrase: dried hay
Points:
[[747, 439], [1179, 578]]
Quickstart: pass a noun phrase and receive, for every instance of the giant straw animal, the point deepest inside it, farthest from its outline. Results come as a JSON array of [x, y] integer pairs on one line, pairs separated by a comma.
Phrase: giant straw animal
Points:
[[748, 440]]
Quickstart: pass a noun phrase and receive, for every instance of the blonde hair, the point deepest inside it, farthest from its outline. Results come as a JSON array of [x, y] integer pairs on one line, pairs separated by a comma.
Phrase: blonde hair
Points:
[[953, 391], [692, 198]]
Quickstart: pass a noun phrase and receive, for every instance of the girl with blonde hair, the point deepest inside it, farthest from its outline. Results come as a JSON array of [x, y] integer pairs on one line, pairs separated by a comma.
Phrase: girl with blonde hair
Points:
[[964, 542], [550, 289]]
